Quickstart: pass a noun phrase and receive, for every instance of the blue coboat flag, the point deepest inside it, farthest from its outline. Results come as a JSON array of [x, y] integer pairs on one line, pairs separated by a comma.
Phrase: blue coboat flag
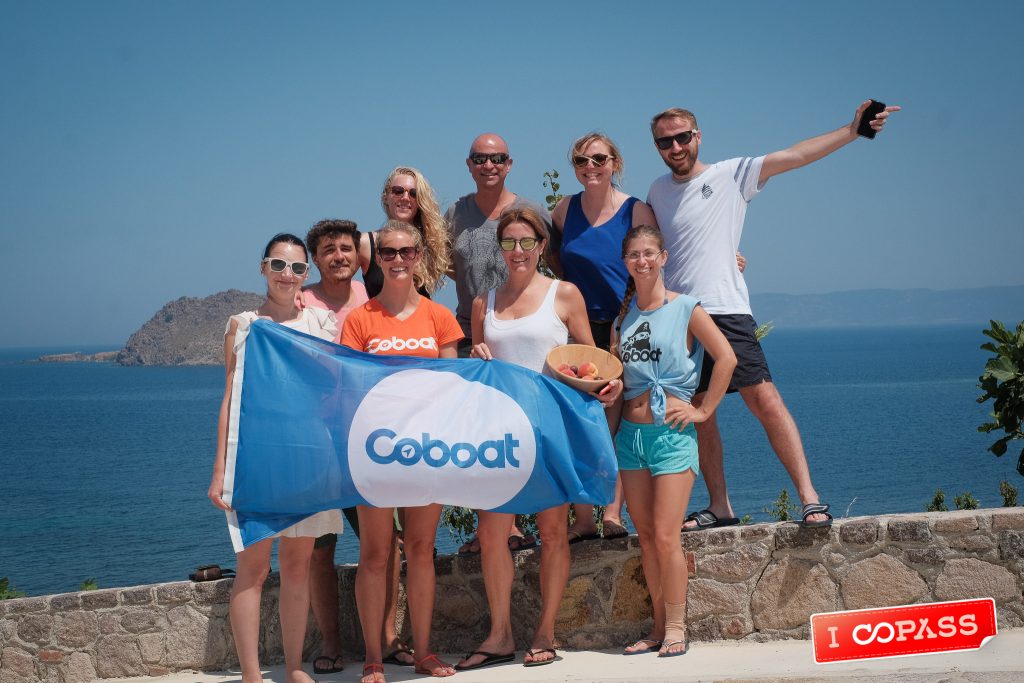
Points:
[[316, 426]]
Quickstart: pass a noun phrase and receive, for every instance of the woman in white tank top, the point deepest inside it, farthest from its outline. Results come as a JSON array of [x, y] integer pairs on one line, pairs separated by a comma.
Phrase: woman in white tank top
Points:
[[520, 322]]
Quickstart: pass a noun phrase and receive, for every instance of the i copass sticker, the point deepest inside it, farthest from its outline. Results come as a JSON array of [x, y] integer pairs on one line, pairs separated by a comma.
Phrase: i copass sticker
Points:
[[901, 631]]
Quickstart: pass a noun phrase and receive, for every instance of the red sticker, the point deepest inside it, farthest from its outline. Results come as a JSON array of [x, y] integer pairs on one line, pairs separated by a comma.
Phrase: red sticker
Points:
[[901, 631]]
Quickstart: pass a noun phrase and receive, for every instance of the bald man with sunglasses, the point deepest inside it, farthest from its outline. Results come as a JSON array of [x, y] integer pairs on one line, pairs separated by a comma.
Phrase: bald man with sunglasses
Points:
[[477, 265], [701, 209]]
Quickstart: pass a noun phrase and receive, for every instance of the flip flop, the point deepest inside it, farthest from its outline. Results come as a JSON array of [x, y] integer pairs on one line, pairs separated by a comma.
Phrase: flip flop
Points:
[[334, 665], [489, 658], [436, 663], [373, 670], [706, 519], [517, 543], [614, 530], [815, 509], [400, 648], [577, 537], [684, 643], [650, 644], [534, 653]]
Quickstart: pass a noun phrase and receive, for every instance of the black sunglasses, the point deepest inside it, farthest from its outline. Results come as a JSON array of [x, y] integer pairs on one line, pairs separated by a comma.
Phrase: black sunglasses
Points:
[[398, 191], [389, 253], [479, 158], [599, 159], [682, 138]]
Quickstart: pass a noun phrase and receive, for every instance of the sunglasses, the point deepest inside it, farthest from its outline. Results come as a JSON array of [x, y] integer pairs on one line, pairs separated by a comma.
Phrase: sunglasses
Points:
[[682, 138], [398, 191], [479, 158], [526, 243], [599, 159], [646, 255], [279, 264], [389, 253]]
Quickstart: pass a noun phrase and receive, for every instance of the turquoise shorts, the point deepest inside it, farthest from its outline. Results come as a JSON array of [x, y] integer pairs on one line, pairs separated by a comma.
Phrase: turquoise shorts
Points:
[[657, 448]]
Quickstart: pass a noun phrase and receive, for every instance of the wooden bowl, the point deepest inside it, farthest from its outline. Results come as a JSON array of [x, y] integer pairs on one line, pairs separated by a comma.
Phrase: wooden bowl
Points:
[[608, 366]]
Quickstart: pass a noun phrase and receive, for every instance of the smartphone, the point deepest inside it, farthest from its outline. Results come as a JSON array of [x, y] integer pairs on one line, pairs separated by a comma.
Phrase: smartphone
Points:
[[864, 126]]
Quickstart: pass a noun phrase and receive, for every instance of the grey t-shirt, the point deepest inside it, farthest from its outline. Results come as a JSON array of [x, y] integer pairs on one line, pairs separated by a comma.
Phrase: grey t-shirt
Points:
[[478, 264]]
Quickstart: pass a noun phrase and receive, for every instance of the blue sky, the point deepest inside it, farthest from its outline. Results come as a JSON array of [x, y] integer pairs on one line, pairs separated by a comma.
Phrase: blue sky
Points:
[[150, 149]]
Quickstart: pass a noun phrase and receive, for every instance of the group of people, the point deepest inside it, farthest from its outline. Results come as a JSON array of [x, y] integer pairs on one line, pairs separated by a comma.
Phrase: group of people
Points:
[[658, 282]]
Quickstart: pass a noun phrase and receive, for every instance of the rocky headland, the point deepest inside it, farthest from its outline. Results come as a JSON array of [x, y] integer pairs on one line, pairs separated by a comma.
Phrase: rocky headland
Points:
[[187, 331]]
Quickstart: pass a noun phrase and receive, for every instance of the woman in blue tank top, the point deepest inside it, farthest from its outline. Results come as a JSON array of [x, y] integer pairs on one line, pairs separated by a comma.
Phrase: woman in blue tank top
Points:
[[591, 225], [660, 339]]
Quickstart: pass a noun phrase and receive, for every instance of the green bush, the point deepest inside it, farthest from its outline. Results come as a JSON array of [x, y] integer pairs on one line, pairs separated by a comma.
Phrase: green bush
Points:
[[966, 501], [782, 508], [938, 503], [89, 585], [7, 591], [1003, 382], [1009, 493]]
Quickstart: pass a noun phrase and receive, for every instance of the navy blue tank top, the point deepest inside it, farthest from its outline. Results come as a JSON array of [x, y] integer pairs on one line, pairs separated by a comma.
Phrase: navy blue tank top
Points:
[[592, 257]]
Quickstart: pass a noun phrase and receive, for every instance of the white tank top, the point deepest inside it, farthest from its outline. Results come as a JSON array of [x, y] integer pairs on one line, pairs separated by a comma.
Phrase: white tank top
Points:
[[526, 341]]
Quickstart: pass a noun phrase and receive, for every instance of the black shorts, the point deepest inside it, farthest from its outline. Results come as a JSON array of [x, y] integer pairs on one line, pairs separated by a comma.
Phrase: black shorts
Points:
[[751, 365]]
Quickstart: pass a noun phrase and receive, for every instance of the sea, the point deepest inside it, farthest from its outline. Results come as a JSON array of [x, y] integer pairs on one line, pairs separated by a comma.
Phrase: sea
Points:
[[104, 469]]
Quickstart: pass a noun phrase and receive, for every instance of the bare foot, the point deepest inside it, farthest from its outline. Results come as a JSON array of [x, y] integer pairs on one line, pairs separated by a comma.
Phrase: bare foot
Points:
[[373, 673]]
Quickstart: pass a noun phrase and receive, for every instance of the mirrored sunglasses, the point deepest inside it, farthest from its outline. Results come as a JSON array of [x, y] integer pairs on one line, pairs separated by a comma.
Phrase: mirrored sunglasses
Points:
[[526, 243], [480, 159]]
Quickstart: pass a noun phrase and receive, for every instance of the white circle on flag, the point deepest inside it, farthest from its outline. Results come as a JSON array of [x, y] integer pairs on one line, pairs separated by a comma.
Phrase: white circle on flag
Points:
[[426, 436]]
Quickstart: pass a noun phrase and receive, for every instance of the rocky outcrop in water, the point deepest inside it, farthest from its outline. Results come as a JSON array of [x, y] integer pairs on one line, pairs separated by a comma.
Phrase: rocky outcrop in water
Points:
[[187, 331]]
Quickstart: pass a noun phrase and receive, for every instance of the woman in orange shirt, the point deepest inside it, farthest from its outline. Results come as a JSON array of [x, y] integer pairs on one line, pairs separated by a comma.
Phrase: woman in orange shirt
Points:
[[399, 322]]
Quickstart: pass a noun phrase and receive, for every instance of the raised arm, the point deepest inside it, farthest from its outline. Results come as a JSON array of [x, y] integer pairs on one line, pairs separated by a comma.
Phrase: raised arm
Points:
[[812, 149]]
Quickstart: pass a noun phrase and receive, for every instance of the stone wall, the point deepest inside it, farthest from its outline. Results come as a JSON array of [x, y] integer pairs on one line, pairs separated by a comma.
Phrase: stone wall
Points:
[[758, 582]]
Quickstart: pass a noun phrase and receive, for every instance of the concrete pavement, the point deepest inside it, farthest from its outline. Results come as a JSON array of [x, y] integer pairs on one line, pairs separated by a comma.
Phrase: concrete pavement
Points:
[[1000, 661]]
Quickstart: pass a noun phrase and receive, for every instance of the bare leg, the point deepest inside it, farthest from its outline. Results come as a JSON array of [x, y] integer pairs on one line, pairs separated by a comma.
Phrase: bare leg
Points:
[[253, 568], [584, 525], [712, 467], [323, 594], [420, 530], [293, 556], [765, 402], [376, 526], [671, 496], [613, 513], [390, 641], [496, 563], [638, 486], [554, 575]]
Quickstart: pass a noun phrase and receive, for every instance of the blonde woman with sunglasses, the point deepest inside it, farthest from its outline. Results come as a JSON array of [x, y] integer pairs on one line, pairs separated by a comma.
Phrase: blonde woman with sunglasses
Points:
[[399, 321], [408, 197], [285, 266], [590, 226]]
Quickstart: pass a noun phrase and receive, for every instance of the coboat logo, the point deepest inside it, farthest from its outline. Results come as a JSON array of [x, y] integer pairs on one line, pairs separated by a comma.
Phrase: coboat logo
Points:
[[376, 345], [422, 436], [437, 453]]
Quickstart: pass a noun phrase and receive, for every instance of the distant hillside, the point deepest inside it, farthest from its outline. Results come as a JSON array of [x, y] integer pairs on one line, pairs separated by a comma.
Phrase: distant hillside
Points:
[[190, 331], [889, 307], [187, 331]]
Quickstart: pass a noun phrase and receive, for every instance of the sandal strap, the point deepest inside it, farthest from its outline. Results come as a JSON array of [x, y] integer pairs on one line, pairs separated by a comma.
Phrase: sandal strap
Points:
[[816, 509], [373, 668]]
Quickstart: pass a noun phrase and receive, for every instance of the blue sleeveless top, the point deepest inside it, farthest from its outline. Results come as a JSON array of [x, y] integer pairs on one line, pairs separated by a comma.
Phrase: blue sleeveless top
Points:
[[592, 257], [652, 348]]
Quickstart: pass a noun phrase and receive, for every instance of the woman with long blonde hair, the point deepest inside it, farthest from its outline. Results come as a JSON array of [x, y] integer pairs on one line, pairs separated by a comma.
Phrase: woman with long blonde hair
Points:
[[408, 197]]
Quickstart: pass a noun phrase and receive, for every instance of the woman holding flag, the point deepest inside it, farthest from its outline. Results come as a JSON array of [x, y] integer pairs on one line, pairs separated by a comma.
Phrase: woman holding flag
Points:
[[285, 266], [520, 322], [399, 313]]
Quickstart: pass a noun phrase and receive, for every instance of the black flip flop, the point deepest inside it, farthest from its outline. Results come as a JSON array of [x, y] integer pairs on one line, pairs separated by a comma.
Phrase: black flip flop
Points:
[[577, 537], [534, 653], [706, 519], [333, 665], [392, 657], [489, 658]]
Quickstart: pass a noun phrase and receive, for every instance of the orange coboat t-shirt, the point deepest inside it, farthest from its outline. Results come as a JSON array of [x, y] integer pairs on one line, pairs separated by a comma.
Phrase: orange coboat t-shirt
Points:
[[371, 329]]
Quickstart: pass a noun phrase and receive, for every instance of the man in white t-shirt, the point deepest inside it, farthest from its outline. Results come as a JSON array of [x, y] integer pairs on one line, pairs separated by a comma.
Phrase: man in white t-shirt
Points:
[[701, 208]]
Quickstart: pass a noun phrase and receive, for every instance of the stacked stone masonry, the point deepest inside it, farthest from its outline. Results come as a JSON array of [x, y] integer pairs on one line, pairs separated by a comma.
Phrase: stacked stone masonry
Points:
[[759, 582]]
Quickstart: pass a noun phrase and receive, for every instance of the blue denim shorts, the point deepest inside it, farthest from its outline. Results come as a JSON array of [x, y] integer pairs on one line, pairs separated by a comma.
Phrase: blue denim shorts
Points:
[[657, 448]]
